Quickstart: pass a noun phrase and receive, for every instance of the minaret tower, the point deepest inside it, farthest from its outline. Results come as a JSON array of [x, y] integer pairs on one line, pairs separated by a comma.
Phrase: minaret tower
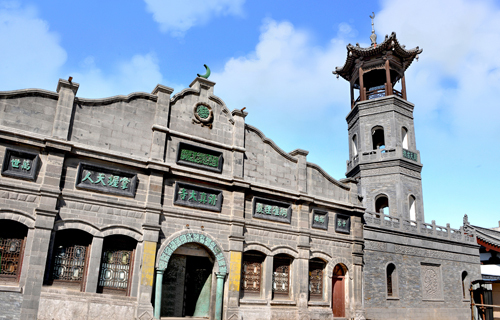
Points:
[[383, 153]]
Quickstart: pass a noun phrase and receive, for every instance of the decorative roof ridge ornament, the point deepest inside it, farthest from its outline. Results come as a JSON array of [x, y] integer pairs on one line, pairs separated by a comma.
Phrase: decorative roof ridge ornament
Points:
[[373, 36], [207, 74]]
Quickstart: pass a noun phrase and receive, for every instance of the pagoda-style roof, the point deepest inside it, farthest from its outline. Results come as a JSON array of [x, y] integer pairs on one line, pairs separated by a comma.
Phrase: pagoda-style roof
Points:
[[489, 238], [390, 43]]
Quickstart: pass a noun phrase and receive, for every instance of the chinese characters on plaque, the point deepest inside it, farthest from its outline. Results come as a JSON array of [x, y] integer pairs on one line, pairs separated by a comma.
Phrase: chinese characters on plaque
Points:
[[343, 223], [410, 155], [272, 210], [320, 219], [106, 180], [20, 164], [199, 157], [197, 197]]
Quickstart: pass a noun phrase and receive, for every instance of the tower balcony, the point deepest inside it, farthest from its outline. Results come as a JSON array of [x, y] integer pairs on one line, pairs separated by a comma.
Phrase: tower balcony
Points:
[[378, 93], [377, 155]]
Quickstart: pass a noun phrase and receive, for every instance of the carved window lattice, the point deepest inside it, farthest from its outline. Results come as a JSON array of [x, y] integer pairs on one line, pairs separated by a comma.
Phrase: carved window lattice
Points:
[[69, 263], [281, 276], [10, 257], [251, 275], [115, 269], [316, 279]]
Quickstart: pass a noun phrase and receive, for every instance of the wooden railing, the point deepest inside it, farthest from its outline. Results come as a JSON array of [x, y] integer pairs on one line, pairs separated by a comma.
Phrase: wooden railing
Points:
[[377, 93], [397, 93], [372, 94]]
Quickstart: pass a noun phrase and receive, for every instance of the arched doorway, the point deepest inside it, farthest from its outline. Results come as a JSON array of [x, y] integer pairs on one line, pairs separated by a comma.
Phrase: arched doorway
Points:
[[338, 291], [187, 282], [186, 264]]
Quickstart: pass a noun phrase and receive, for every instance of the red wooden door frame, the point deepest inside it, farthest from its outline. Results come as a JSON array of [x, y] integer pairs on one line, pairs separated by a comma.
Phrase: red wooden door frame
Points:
[[338, 296]]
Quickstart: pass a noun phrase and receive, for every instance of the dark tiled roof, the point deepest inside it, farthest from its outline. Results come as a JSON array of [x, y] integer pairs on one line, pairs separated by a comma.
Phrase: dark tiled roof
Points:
[[487, 235], [389, 43]]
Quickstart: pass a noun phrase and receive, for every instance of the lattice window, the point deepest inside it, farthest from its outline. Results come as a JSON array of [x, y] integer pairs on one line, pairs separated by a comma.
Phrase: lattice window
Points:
[[116, 269], [11, 251], [316, 280], [281, 276], [251, 275], [69, 263]]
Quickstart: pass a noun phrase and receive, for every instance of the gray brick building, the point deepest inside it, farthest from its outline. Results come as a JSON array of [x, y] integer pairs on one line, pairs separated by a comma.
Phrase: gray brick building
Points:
[[159, 205]]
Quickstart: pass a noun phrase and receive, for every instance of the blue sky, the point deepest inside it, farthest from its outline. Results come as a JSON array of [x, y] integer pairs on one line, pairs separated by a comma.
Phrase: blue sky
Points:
[[275, 58]]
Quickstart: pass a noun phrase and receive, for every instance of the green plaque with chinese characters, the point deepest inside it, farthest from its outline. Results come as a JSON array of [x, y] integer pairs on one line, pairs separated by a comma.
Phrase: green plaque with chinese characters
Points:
[[320, 219], [106, 180], [342, 223], [410, 155], [198, 157], [20, 164], [194, 196], [272, 210]]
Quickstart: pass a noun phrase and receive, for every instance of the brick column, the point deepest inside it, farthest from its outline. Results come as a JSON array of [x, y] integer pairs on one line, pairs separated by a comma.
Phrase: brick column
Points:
[[162, 114], [65, 106], [267, 278], [94, 264], [235, 255], [302, 262], [44, 223], [301, 169], [151, 229], [238, 142]]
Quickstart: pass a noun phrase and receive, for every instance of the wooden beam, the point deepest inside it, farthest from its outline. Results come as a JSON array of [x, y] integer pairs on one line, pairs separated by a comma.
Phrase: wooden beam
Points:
[[403, 87], [362, 91], [388, 82]]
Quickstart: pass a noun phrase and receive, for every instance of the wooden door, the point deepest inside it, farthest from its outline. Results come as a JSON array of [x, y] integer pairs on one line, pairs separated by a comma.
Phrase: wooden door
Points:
[[338, 297]]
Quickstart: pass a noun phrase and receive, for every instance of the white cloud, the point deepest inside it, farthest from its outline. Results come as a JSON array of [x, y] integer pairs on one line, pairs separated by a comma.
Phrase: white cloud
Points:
[[32, 57], [140, 73], [458, 74], [177, 16], [31, 54], [285, 73]]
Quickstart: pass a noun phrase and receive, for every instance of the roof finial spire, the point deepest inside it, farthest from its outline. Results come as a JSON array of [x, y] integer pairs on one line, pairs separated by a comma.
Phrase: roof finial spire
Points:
[[373, 36]]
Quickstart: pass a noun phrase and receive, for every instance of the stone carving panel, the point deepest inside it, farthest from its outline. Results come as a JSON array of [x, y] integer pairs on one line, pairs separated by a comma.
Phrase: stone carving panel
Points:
[[431, 282], [374, 245], [434, 254]]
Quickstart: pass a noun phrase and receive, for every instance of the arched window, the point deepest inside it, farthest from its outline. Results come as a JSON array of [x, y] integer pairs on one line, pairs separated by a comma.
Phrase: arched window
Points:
[[391, 280], [281, 276], [70, 259], [354, 145], [316, 268], [404, 137], [464, 284], [117, 261], [411, 207], [251, 274], [378, 139], [12, 241], [382, 204]]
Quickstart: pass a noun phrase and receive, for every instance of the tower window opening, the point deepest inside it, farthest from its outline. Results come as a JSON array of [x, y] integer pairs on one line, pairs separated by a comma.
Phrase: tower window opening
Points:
[[354, 145], [391, 280], [464, 284], [378, 138], [411, 205], [404, 137], [382, 205]]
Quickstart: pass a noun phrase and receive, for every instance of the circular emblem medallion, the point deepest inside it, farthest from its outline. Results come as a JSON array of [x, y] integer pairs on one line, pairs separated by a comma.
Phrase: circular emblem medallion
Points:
[[203, 114]]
